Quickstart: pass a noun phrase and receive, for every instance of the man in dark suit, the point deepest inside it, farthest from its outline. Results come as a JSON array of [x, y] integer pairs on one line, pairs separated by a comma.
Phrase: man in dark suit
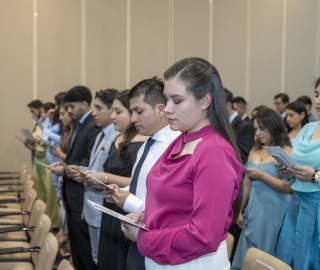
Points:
[[243, 130], [240, 105], [244, 134], [83, 138]]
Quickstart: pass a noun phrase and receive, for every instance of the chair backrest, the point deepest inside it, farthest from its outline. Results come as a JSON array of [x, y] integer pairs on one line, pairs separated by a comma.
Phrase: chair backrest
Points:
[[47, 254], [30, 198], [65, 265], [37, 210], [256, 259], [23, 173], [39, 234], [230, 243]]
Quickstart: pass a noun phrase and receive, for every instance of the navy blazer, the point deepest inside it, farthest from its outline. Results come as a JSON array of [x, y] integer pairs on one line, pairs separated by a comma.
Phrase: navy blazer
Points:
[[79, 154]]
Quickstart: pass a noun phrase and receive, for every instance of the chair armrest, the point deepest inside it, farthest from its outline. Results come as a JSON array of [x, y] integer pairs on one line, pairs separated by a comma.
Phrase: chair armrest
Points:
[[3, 214], [17, 228], [4, 201], [18, 250]]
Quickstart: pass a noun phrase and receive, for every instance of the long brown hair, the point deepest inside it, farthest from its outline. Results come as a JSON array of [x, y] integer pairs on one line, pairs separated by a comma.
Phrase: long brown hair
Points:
[[131, 132], [200, 78], [66, 132], [268, 119]]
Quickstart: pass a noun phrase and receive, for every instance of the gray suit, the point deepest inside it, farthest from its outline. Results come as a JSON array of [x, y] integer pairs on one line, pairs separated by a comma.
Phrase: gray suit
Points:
[[92, 216]]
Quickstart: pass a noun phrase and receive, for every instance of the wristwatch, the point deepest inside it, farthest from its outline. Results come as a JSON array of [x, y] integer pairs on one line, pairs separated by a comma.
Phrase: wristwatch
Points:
[[315, 177]]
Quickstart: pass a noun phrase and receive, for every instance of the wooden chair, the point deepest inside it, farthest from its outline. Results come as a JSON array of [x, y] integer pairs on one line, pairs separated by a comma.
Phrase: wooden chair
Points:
[[65, 265], [256, 259], [230, 243]]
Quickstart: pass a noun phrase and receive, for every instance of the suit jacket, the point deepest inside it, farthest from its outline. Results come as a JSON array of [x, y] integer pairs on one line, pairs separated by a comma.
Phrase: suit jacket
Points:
[[98, 157], [244, 134], [247, 119], [79, 154]]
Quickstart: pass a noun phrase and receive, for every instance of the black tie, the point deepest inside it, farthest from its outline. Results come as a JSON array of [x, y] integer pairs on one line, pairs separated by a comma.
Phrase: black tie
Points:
[[101, 137], [75, 132], [134, 181]]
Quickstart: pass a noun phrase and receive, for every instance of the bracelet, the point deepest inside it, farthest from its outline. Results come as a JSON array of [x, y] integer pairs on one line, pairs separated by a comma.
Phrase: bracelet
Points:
[[106, 180], [315, 177]]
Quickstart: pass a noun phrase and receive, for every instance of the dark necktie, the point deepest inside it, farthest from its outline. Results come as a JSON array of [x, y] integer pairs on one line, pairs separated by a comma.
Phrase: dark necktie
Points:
[[101, 137], [75, 132], [134, 181]]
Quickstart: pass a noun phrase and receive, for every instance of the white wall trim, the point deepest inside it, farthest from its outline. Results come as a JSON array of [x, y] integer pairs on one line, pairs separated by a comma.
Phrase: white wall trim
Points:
[[83, 42], [283, 49], [128, 44], [35, 49], [210, 56], [248, 50]]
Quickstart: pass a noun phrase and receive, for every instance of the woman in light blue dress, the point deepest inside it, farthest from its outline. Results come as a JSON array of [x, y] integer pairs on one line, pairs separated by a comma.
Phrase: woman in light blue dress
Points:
[[266, 196], [299, 239]]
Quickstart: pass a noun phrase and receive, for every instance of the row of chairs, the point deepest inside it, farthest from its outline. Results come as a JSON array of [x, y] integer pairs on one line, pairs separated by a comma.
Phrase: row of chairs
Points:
[[25, 238], [26, 243]]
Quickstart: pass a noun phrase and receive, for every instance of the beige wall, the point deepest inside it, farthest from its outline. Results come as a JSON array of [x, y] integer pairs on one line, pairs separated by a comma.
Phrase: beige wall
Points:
[[260, 47]]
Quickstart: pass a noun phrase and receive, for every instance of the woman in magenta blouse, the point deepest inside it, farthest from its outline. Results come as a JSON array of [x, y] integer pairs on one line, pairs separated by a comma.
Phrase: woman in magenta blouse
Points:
[[193, 186]]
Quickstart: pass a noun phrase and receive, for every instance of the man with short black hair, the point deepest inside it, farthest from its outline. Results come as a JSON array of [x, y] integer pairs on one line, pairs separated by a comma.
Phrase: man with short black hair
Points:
[[35, 107], [147, 103], [240, 105], [244, 132], [281, 102], [78, 100], [308, 103]]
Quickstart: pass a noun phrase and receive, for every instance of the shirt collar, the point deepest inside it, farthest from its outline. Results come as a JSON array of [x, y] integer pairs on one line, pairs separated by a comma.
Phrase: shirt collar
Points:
[[162, 134], [107, 129], [233, 116], [84, 117], [243, 117]]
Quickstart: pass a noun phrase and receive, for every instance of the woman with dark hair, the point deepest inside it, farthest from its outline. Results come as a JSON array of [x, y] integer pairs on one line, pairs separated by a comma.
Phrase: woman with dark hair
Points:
[[194, 184], [113, 246], [60, 152], [299, 239], [296, 118], [265, 195]]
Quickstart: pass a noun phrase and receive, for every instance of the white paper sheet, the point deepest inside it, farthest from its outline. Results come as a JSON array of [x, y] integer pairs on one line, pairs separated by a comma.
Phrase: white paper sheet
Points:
[[27, 133], [117, 215]]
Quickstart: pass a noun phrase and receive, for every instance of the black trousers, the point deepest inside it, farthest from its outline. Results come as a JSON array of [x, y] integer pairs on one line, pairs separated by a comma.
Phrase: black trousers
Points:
[[235, 231], [79, 242], [135, 261]]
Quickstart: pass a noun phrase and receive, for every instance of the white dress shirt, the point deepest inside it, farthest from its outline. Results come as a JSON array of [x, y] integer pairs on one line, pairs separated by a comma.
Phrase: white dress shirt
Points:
[[163, 138], [233, 116]]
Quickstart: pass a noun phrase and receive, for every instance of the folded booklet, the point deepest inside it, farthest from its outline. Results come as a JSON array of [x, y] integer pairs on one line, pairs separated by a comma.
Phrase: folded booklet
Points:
[[117, 215], [27, 133], [280, 156]]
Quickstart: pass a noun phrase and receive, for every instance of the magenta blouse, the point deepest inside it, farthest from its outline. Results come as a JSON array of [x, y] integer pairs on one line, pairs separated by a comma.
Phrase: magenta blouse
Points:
[[189, 199]]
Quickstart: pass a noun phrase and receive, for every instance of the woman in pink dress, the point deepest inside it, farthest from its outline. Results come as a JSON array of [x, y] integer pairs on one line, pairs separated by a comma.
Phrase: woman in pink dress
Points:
[[192, 188]]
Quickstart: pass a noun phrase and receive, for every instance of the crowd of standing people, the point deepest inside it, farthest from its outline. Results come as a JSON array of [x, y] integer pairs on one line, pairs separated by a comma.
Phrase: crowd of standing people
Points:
[[182, 157]]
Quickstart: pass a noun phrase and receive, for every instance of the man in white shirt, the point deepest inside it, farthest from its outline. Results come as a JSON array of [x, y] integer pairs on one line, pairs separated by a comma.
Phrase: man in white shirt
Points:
[[147, 103]]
